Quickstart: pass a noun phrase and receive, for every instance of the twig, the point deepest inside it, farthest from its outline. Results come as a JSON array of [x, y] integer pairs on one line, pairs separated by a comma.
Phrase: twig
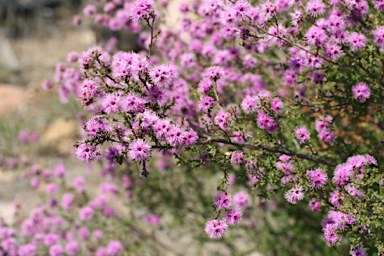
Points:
[[269, 149]]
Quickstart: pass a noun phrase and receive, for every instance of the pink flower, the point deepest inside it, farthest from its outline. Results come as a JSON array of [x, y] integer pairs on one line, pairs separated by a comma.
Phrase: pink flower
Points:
[[223, 201], [152, 219], [361, 92], [333, 51], [379, 5], [264, 121], [337, 198], [214, 73], [241, 199], [86, 152], [330, 235], [378, 37], [79, 183], [268, 10], [184, 7], [357, 41], [86, 213], [191, 138], [67, 200], [56, 250], [133, 103], [318, 178], [237, 158], [358, 251], [250, 103], [315, 8], [223, 119], [206, 103], [233, 216], [216, 228], [142, 9], [51, 188], [72, 248], [27, 250], [139, 150], [89, 10], [277, 106], [241, 9], [114, 247], [50, 239], [327, 136], [163, 75], [315, 205], [302, 134], [111, 104], [294, 195]]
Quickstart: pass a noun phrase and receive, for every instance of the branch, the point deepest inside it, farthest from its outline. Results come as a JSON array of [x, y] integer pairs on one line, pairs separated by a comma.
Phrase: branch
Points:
[[269, 149]]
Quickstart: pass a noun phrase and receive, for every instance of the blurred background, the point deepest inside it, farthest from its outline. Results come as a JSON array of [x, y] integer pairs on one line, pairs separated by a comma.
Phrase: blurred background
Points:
[[34, 36]]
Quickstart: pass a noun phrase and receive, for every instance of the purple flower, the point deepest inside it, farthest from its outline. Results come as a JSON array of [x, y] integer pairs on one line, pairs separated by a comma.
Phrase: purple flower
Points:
[[190, 138], [241, 9], [213, 73], [358, 251], [379, 5]]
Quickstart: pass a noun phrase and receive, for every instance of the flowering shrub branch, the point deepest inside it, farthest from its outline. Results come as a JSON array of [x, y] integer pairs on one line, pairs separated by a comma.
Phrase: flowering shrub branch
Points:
[[255, 89]]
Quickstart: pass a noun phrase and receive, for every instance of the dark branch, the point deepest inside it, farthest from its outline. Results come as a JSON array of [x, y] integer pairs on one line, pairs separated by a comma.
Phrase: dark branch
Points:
[[269, 149]]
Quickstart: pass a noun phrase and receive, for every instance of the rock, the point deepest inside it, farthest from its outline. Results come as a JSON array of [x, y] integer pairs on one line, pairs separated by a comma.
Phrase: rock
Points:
[[8, 58], [61, 135], [11, 97]]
